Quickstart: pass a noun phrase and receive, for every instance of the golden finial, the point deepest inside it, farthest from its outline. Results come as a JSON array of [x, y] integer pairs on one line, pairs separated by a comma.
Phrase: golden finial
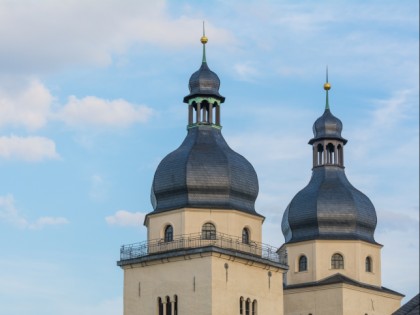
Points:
[[204, 39], [327, 86]]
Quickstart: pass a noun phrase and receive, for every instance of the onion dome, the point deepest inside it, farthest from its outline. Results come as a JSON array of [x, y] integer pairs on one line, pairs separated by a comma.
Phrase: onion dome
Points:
[[327, 126], [204, 82], [329, 207], [204, 172]]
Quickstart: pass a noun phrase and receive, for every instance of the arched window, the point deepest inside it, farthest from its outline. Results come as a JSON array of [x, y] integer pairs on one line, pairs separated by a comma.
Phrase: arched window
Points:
[[208, 231], [168, 306], [254, 307], [175, 305], [330, 154], [320, 150], [160, 306], [303, 263], [247, 306], [340, 155], [368, 264], [169, 234], [337, 261], [241, 306], [245, 236], [205, 109]]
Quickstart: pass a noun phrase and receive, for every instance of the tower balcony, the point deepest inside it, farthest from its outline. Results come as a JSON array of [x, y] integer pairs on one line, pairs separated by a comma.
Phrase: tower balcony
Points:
[[199, 242]]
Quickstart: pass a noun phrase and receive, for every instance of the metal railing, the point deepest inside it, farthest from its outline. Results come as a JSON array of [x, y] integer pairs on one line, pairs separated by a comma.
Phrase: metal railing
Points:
[[198, 240]]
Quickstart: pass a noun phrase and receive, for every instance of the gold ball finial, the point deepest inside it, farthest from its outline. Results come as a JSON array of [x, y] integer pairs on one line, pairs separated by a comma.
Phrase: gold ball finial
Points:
[[204, 40], [327, 86]]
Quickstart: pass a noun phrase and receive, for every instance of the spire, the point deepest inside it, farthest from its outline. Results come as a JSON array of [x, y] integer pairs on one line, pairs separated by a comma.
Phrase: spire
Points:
[[204, 40], [204, 82], [327, 87]]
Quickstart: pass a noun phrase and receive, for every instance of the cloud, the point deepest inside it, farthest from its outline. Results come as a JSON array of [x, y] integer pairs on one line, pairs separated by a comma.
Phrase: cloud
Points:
[[102, 29], [98, 188], [126, 218], [27, 106], [94, 111], [31, 149], [393, 221], [389, 112], [10, 214], [28, 103], [42, 222], [389, 120], [246, 71]]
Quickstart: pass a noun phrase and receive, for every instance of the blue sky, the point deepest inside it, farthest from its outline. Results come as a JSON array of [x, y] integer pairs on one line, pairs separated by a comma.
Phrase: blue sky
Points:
[[91, 100]]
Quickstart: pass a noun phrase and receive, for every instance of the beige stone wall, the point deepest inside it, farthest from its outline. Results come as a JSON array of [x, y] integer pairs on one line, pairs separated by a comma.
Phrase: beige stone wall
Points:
[[167, 279], [319, 253], [248, 281], [189, 220], [363, 301], [320, 301], [217, 289], [339, 299]]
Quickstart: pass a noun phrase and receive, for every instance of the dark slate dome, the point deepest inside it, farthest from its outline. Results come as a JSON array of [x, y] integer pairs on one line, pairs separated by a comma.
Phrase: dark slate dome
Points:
[[204, 82], [329, 207], [204, 172], [327, 126]]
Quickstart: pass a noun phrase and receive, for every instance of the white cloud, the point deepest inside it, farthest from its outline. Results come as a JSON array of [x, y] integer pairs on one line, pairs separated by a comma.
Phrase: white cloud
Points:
[[100, 30], [32, 148], [246, 71], [99, 187], [42, 222], [126, 218], [28, 103], [10, 214], [394, 110], [93, 111], [27, 106]]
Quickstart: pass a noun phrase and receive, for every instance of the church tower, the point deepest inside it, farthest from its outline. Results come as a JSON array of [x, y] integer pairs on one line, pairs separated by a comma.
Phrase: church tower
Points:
[[334, 260], [203, 254]]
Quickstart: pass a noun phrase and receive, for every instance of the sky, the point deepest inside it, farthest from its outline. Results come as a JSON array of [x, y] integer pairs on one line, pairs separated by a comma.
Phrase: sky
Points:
[[91, 100]]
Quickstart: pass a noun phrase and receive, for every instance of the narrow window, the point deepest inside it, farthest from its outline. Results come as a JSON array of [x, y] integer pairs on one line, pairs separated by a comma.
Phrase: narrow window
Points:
[[368, 264], [320, 150], [176, 305], [340, 155], [241, 306], [303, 263], [254, 307], [160, 306], [208, 231], [337, 261], [169, 233], [247, 306], [330, 154], [168, 306], [245, 236]]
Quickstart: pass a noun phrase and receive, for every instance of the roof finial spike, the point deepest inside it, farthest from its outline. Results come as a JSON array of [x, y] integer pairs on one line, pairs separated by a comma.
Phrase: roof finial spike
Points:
[[327, 87], [327, 73], [204, 41]]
